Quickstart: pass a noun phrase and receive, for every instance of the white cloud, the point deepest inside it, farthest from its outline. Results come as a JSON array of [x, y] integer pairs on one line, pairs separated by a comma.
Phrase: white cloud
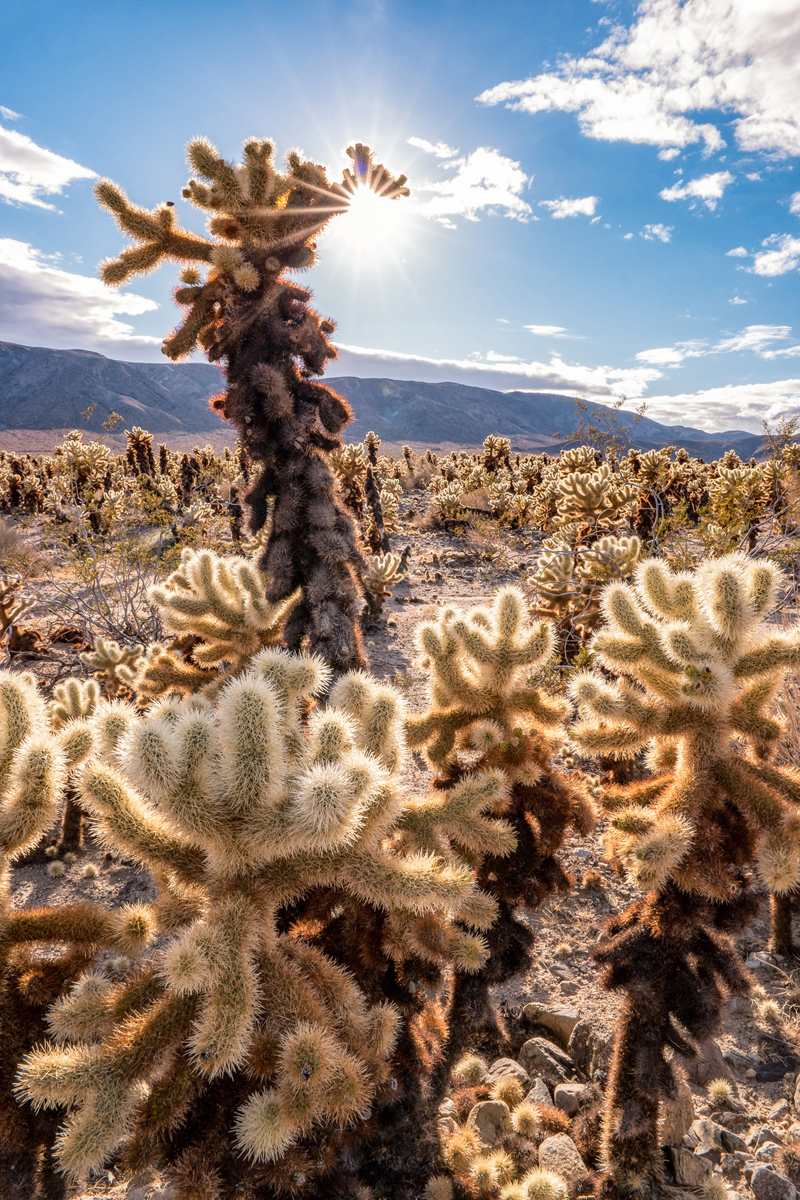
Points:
[[734, 406], [782, 255], [662, 232], [627, 237], [737, 300], [558, 331], [583, 206], [497, 372], [668, 155], [679, 58], [665, 356], [755, 339], [28, 172], [794, 204], [708, 188], [737, 252], [439, 149], [483, 180], [42, 304], [9, 113]]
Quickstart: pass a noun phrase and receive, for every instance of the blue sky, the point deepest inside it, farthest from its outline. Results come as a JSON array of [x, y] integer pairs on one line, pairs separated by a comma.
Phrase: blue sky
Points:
[[605, 195]]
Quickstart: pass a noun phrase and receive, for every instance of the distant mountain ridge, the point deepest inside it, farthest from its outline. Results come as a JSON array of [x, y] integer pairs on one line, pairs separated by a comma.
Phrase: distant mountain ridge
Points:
[[43, 389]]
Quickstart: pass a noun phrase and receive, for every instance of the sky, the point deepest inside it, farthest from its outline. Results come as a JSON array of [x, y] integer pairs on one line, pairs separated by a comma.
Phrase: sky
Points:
[[605, 195]]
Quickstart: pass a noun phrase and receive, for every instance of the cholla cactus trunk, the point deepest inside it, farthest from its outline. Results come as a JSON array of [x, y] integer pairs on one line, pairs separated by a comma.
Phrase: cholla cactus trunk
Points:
[[697, 668], [377, 536], [481, 700], [782, 908], [249, 316]]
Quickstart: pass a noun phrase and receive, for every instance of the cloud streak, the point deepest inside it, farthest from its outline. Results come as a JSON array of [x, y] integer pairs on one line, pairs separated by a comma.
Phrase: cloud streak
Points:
[[482, 182], [29, 173], [42, 304], [708, 188], [584, 206]]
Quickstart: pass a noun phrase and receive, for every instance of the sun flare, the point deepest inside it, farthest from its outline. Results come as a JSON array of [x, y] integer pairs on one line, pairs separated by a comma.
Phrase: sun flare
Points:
[[372, 223]]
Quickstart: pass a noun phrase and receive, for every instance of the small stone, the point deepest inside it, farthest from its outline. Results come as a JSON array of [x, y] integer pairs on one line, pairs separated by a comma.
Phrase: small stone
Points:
[[739, 1004], [490, 1119], [570, 1096], [560, 1020], [677, 1115], [448, 1109], [750, 1073], [540, 1057], [767, 1152], [689, 1170], [769, 1185], [505, 1068], [778, 1111], [760, 961], [705, 1139], [447, 1126], [731, 1142], [560, 1154], [568, 988], [539, 1093], [145, 1185]]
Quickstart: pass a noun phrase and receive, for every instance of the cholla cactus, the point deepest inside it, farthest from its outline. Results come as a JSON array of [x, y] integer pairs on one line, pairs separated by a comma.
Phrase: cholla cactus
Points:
[[12, 605], [251, 1046], [350, 468], [35, 765], [237, 293], [447, 501], [698, 668], [593, 498], [113, 664], [738, 502], [495, 452], [73, 700], [581, 460], [216, 608], [382, 571], [140, 451], [481, 700], [371, 444]]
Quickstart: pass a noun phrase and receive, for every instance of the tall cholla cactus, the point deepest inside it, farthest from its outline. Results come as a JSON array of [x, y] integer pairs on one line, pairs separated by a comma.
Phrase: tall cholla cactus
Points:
[[242, 1053], [35, 765], [216, 608], [481, 700], [244, 312], [699, 668], [593, 498]]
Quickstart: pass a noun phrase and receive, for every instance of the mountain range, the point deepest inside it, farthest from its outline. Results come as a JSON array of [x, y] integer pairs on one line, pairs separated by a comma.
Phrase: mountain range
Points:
[[45, 392]]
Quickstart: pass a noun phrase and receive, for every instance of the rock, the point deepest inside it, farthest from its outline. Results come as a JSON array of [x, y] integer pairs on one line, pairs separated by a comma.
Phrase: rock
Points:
[[677, 1115], [750, 1073], [539, 1093], [739, 1004], [705, 1139], [689, 1170], [709, 1064], [588, 1048], [769, 1185], [568, 988], [561, 1019], [758, 1135], [767, 1152], [448, 1109], [796, 1100], [731, 1142], [504, 1068], [540, 1057], [560, 1154], [760, 961], [490, 1119], [561, 971], [145, 1185], [570, 1096], [447, 1127], [778, 1111]]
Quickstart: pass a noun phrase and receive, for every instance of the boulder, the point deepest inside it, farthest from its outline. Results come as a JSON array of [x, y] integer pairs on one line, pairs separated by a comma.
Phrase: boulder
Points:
[[503, 1068], [709, 1064], [768, 1152], [539, 1093], [560, 1154], [540, 1057], [490, 1119], [560, 1019], [570, 1096], [588, 1048], [769, 1185], [690, 1171], [448, 1109]]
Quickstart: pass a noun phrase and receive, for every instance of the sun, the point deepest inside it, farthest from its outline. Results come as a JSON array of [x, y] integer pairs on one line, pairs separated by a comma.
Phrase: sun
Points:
[[372, 225]]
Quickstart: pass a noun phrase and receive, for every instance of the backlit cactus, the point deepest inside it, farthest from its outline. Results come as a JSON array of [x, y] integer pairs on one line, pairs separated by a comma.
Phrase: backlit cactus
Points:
[[481, 700], [243, 1023], [698, 668], [244, 311]]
